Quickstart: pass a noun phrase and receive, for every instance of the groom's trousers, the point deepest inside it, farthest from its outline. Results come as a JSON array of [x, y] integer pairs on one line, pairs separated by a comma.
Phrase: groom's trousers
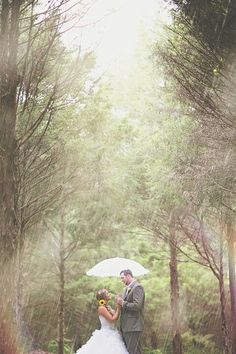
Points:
[[132, 342]]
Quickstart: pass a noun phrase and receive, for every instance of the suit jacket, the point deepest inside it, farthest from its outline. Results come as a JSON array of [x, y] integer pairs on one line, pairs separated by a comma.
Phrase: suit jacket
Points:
[[132, 319]]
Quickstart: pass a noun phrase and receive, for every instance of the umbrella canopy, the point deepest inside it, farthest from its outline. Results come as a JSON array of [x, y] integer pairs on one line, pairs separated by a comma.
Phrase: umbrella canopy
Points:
[[112, 267]]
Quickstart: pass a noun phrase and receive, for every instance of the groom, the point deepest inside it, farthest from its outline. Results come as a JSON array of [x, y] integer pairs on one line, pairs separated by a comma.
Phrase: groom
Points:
[[132, 306]]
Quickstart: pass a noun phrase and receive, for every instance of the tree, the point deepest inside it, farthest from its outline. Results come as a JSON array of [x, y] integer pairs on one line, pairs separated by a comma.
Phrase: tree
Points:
[[201, 59], [30, 47], [210, 251]]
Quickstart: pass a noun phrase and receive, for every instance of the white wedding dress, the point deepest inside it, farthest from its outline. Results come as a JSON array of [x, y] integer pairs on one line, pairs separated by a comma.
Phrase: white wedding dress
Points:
[[106, 340]]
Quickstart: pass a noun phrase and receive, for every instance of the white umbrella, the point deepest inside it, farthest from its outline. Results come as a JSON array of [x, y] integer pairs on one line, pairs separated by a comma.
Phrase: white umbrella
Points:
[[112, 267]]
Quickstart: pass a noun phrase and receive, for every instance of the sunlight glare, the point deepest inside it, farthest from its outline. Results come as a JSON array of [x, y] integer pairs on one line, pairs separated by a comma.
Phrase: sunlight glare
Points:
[[112, 28]]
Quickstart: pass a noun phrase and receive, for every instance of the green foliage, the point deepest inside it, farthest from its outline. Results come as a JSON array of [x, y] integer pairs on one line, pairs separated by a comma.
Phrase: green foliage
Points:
[[199, 344], [52, 346], [212, 21], [152, 351]]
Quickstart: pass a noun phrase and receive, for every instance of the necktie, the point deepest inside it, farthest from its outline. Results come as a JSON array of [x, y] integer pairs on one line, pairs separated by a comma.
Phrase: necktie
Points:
[[127, 291]]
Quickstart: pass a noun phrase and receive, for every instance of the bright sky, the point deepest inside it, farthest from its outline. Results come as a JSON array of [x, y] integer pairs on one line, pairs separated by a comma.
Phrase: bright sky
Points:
[[114, 27]]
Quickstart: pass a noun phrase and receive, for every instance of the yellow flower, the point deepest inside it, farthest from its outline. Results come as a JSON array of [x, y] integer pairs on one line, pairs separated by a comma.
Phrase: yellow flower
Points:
[[102, 302]]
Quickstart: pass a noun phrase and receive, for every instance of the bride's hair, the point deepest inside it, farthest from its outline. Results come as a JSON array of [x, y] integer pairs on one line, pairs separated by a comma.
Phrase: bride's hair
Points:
[[102, 295]]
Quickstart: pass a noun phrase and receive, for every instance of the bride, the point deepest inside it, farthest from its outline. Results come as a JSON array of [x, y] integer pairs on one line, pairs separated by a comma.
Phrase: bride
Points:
[[107, 340]]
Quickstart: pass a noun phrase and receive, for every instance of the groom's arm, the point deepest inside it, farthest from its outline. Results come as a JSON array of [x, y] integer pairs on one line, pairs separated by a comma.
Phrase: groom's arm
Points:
[[138, 299]]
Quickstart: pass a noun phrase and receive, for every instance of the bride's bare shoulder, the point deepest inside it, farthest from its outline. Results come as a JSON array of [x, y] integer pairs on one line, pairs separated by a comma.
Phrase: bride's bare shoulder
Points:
[[102, 310]]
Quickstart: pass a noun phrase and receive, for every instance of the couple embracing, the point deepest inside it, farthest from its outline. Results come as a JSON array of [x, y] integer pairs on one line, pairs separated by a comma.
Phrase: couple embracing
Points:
[[129, 309]]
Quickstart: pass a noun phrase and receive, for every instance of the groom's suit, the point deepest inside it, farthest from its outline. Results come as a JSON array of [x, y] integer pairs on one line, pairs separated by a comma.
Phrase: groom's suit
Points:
[[131, 319]]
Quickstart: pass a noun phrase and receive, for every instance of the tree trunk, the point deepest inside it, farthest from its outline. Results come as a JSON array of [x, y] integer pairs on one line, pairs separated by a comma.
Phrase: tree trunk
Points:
[[8, 88], [18, 307], [154, 341], [9, 334], [61, 310], [174, 285], [9, 33], [232, 283], [224, 326]]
